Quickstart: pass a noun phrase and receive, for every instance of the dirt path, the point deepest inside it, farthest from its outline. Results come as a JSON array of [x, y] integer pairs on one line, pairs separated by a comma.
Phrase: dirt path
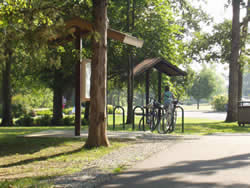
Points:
[[221, 160]]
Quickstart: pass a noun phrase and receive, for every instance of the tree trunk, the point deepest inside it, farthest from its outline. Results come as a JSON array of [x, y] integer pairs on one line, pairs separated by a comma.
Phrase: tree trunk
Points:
[[6, 89], [198, 104], [240, 83], [130, 90], [57, 99], [130, 66], [232, 111], [86, 113], [98, 116], [243, 46]]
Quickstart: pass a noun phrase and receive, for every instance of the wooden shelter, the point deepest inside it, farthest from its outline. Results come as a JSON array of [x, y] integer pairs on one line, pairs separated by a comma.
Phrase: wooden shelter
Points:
[[162, 66], [75, 29]]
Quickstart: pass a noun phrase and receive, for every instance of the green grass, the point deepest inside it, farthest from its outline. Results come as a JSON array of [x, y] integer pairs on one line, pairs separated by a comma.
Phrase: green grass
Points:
[[26, 161], [119, 123], [191, 126], [193, 107], [207, 126]]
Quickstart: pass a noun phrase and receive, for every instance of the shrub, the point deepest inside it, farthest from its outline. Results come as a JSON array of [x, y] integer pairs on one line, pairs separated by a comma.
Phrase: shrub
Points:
[[219, 103], [19, 110], [68, 111], [44, 112], [1, 109], [25, 121], [44, 120], [110, 109], [69, 120], [85, 121]]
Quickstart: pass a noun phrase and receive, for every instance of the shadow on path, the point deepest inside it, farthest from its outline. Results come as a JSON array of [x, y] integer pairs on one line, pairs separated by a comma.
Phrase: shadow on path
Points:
[[174, 176]]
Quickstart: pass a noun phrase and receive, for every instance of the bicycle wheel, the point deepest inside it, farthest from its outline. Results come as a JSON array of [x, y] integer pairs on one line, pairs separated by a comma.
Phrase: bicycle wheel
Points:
[[166, 125], [165, 122], [154, 119], [173, 121]]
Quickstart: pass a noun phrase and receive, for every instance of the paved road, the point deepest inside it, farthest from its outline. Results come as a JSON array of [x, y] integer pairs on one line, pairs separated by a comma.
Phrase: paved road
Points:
[[205, 114], [202, 161]]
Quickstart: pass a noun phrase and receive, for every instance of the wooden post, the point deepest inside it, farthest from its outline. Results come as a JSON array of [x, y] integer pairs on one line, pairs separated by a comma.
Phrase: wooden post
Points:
[[78, 45], [147, 90], [159, 86]]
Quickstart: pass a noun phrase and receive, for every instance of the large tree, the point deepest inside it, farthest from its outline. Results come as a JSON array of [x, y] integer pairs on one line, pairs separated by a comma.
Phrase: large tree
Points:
[[204, 85], [234, 67], [98, 117]]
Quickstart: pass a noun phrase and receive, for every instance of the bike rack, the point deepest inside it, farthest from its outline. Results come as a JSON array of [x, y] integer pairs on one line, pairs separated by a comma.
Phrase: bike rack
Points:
[[123, 116], [141, 120], [182, 125]]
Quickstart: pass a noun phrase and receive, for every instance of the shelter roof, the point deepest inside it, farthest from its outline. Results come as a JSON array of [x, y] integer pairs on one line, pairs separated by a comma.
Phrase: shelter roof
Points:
[[78, 24], [161, 65]]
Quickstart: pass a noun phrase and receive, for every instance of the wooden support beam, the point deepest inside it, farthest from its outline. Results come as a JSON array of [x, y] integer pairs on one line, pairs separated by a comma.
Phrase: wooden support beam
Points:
[[159, 86], [147, 90], [78, 45]]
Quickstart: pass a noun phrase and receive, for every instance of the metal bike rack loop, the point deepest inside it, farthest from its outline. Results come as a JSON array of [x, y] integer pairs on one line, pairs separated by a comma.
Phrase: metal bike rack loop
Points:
[[141, 120], [182, 114], [123, 116]]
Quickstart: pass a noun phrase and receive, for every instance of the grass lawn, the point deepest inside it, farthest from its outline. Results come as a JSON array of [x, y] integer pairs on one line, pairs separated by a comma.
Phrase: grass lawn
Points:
[[191, 126], [208, 126], [26, 161], [193, 107]]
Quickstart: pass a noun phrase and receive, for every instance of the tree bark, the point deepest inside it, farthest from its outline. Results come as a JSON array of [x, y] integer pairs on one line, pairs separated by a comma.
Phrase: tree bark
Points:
[[57, 99], [198, 104], [240, 82], [232, 111], [243, 46], [98, 116], [86, 113], [130, 65], [6, 89]]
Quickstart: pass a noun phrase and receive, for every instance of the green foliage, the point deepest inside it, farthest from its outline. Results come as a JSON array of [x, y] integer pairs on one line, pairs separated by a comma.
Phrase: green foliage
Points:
[[25, 121], [67, 111], [110, 109], [44, 120], [43, 112], [204, 85], [68, 120], [19, 106], [18, 110], [85, 121], [219, 103]]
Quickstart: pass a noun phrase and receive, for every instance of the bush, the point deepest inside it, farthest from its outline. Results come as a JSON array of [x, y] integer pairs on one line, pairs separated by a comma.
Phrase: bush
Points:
[[68, 111], [69, 120], [85, 121], [25, 121], [44, 112], [219, 103], [19, 110], [110, 109], [44, 120]]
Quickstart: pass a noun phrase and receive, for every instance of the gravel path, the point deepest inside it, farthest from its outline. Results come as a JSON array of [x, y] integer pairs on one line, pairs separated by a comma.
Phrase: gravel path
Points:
[[101, 170]]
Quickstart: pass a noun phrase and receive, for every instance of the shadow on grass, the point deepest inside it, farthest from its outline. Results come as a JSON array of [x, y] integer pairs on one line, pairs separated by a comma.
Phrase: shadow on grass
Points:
[[44, 158], [12, 144], [174, 175]]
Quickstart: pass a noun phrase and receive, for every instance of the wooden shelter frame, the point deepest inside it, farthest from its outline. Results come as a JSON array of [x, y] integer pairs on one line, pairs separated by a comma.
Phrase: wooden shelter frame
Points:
[[80, 28], [162, 66]]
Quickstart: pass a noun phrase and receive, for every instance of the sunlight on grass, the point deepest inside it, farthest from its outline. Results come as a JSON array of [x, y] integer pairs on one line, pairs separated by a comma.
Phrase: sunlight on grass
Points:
[[207, 126], [26, 160]]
